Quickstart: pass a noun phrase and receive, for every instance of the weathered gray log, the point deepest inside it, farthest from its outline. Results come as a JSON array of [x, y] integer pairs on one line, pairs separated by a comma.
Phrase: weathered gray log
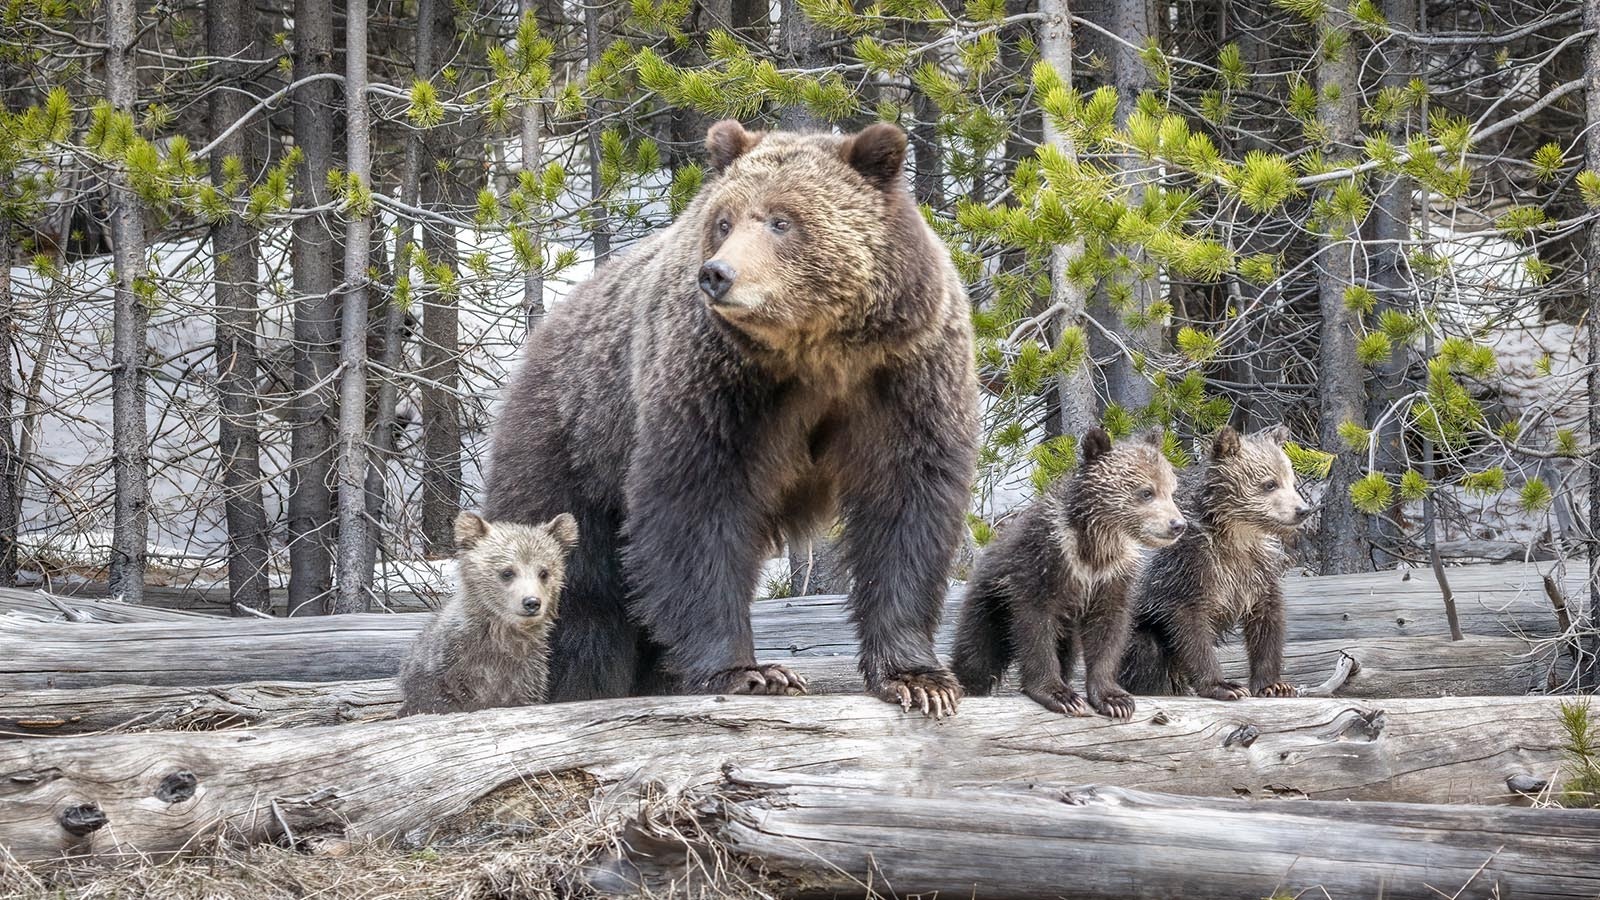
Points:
[[133, 707], [1494, 601], [1389, 667], [830, 836], [45, 607], [165, 791]]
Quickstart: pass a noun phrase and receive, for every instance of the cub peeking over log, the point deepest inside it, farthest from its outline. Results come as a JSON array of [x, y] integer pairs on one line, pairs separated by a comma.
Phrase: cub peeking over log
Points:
[[489, 646], [1221, 575], [796, 346], [1059, 578]]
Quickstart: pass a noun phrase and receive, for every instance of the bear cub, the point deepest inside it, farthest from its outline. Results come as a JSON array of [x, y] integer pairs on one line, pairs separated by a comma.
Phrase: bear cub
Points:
[[488, 647], [1057, 580], [1223, 574]]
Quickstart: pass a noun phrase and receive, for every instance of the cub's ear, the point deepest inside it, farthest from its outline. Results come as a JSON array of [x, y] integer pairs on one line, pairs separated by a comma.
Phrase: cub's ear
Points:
[[726, 141], [878, 152], [1155, 437], [564, 528], [1278, 434], [470, 529], [1226, 443], [1096, 443]]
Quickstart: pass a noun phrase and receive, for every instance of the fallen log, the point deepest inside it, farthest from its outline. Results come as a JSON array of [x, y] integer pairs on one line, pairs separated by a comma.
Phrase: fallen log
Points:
[[1388, 667], [831, 836], [46, 607], [166, 791], [1383, 610]]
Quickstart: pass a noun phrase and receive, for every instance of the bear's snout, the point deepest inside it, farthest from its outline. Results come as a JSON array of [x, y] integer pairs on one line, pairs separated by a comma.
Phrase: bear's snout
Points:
[[716, 277], [1303, 512], [532, 606], [1176, 527]]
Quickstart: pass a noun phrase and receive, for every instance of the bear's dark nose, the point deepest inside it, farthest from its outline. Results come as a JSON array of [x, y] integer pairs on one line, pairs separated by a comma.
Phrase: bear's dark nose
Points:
[[1176, 526], [532, 605], [716, 277], [1303, 512]]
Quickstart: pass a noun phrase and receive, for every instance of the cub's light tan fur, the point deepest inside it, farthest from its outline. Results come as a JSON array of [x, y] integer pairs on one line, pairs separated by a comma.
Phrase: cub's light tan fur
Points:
[[489, 646]]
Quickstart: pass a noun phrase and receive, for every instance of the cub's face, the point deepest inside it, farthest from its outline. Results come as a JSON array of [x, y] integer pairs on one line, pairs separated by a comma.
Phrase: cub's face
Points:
[[513, 573], [793, 229], [1253, 482], [1134, 484]]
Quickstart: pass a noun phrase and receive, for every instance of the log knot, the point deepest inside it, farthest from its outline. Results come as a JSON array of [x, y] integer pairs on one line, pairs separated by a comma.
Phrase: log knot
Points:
[[1362, 725], [83, 819], [1244, 736], [177, 787]]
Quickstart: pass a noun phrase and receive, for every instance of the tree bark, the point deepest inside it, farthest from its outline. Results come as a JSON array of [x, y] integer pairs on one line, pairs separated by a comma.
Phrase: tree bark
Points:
[[316, 319], [1591, 21], [230, 32], [1079, 410], [10, 464], [600, 226], [533, 163], [125, 707], [829, 835], [1341, 538], [354, 574], [799, 47], [389, 778], [130, 445], [445, 189]]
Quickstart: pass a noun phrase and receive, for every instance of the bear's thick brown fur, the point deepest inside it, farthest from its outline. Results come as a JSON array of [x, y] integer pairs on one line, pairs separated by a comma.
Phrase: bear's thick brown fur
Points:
[[487, 647], [1059, 577], [1223, 574], [797, 344]]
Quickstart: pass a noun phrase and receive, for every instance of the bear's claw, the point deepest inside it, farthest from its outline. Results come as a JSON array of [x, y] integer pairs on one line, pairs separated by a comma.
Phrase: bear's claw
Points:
[[936, 694], [1276, 689], [1224, 690], [1061, 699], [764, 678], [1116, 704]]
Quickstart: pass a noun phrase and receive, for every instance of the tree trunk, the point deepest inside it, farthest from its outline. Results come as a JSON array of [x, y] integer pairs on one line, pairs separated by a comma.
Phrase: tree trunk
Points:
[[130, 443], [1078, 408], [818, 566], [444, 189], [316, 319], [600, 226], [799, 47], [1134, 21], [1341, 538], [229, 36], [10, 465], [533, 163], [829, 835], [1591, 21], [389, 778]]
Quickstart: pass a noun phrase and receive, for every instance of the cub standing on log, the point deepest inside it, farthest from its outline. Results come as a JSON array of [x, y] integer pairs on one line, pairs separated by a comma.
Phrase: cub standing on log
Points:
[[1223, 574], [797, 344], [488, 647], [1059, 578]]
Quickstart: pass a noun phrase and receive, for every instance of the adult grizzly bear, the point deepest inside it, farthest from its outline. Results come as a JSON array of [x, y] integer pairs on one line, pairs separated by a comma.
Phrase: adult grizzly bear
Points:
[[796, 345]]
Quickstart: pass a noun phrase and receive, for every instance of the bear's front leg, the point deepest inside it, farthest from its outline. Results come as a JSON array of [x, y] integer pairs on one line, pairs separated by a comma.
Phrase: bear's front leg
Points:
[[692, 556], [905, 478]]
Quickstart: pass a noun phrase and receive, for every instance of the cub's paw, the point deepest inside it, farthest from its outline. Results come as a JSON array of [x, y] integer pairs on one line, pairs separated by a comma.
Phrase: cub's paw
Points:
[[1275, 689], [765, 678], [1224, 690], [1113, 704], [936, 693], [1061, 699]]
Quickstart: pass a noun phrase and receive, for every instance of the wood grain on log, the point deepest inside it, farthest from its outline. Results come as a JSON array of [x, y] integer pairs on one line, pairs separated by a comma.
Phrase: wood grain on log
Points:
[[1389, 667], [830, 836], [162, 792]]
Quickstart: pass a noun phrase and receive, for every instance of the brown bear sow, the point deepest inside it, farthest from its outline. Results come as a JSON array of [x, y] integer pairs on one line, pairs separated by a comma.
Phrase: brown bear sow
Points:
[[1222, 575], [1059, 577], [796, 345], [488, 647]]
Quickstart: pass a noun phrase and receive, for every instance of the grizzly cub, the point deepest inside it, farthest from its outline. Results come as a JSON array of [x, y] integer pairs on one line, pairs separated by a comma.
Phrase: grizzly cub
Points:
[[1222, 575], [1058, 579], [488, 647]]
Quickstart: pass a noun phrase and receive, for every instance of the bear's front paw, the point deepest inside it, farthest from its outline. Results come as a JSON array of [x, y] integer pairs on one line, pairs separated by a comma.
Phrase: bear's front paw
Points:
[[765, 678], [1113, 703], [1275, 689], [936, 693], [1060, 698], [1223, 690]]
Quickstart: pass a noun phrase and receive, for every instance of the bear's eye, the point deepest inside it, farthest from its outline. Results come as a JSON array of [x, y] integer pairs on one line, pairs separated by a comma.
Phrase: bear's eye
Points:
[[1145, 495], [507, 574], [1269, 486], [544, 574], [780, 225], [722, 227]]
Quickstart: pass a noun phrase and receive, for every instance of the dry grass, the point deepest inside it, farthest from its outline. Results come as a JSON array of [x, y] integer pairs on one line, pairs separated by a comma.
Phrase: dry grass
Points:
[[536, 840]]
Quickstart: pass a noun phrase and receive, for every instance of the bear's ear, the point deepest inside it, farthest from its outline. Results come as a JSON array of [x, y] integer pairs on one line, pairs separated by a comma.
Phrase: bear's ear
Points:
[[564, 528], [470, 529], [1155, 436], [1278, 434], [1096, 443], [726, 141], [1226, 443], [878, 153]]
